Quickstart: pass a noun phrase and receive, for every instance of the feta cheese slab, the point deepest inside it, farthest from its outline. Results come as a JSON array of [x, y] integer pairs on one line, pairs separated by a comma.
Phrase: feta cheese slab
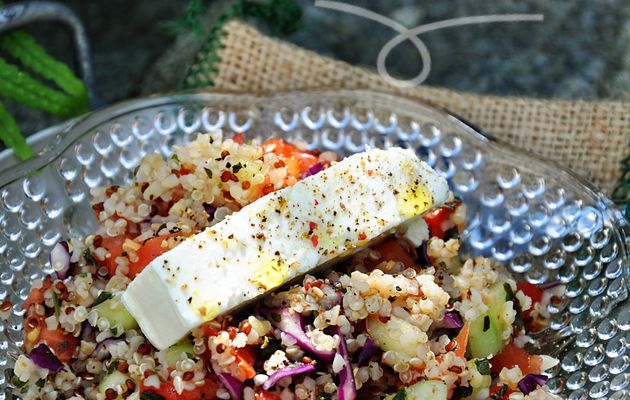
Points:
[[278, 237]]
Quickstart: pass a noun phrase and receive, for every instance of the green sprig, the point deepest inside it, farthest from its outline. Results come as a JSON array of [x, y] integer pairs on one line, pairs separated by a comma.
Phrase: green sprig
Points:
[[10, 134], [20, 86], [17, 84], [24, 48]]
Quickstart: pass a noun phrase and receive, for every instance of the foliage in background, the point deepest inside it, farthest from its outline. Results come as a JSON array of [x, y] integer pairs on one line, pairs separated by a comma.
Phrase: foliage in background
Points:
[[67, 98], [282, 16]]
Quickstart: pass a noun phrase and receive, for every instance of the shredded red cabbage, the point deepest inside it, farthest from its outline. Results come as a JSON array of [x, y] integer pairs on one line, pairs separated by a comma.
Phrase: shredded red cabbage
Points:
[[86, 330], [292, 324], [210, 210], [102, 344], [369, 349], [288, 371], [313, 170], [452, 320], [530, 382], [550, 284], [232, 385], [423, 253], [44, 358], [347, 388], [60, 259]]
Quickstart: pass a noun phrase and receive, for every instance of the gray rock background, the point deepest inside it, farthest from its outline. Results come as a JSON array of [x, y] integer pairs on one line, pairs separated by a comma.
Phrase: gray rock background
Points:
[[580, 51]]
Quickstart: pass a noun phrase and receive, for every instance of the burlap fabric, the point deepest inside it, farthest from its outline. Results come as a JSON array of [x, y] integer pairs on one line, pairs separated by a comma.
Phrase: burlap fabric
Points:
[[590, 138]]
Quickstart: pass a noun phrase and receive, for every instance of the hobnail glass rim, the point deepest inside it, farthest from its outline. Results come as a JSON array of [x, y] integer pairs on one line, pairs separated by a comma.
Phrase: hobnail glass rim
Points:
[[72, 131]]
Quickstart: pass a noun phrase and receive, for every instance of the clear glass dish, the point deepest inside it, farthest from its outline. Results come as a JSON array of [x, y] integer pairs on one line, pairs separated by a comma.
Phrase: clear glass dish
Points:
[[543, 222]]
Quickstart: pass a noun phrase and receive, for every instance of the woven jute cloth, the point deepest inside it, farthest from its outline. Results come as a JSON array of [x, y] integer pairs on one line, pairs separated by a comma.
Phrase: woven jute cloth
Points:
[[590, 138]]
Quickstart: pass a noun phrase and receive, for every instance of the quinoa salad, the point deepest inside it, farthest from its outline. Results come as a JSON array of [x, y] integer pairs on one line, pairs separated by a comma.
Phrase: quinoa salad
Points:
[[407, 317]]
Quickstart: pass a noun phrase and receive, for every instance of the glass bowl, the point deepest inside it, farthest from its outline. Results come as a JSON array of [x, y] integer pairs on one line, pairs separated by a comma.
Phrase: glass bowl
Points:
[[543, 222]]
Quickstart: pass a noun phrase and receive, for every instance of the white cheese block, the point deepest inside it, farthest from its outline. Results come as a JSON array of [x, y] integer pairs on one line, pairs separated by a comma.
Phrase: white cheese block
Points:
[[279, 237]]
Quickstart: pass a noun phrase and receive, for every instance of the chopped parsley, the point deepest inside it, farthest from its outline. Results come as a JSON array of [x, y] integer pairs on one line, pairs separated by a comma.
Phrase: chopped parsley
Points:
[[89, 258], [208, 172], [149, 395], [102, 297], [483, 366], [401, 395]]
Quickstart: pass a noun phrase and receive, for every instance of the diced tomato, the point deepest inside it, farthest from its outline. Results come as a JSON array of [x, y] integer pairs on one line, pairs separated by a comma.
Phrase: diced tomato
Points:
[[60, 342], [462, 340], [151, 249], [113, 244], [279, 147], [531, 290], [209, 330], [182, 171], [264, 395], [297, 161], [392, 250], [239, 138], [35, 296], [439, 220], [512, 355], [207, 391], [532, 324], [496, 389], [245, 358]]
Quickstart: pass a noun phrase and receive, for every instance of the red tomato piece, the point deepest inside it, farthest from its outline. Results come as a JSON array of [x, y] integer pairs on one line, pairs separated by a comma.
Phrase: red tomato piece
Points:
[[150, 250], [462, 341], [512, 355], [113, 244], [439, 221], [264, 395], [392, 250], [531, 290], [239, 138], [60, 342], [245, 358], [207, 391], [35, 296]]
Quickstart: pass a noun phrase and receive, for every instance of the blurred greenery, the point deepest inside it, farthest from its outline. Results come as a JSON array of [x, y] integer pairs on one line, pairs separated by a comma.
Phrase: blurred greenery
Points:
[[38, 81]]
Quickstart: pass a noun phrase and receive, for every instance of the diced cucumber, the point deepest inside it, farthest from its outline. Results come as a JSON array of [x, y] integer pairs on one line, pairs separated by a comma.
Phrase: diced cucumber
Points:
[[486, 331], [423, 390], [111, 380], [388, 335], [177, 352], [116, 313]]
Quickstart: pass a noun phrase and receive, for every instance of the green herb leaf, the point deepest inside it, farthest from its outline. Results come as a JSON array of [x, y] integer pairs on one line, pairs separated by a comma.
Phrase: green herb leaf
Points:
[[486, 323], [462, 392], [57, 305], [175, 157], [208, 172], [271, 345], [102, 297], [401, 395], [113, 366], [89, 258], [483, 366], [40, 383], [149, 395], [323, 396]]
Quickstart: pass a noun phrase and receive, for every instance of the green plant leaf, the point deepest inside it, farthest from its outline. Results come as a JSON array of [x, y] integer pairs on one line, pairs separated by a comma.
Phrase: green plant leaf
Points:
[[22, 87], [11, 137], [24, 48]]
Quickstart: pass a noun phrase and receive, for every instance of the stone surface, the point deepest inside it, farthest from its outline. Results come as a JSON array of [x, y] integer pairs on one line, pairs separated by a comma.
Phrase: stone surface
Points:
[[579, 51]]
